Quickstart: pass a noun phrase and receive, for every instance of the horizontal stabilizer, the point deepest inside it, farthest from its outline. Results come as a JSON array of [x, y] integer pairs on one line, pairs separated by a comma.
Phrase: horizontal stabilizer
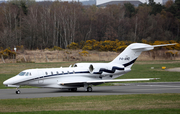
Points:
[[148, 47], [106, 81], [164, 45], [142, 47]]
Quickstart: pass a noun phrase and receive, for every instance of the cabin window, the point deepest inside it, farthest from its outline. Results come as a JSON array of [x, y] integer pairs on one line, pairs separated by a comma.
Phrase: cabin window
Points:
[[22, 73], [57, 72], [68, 72], [27, 73], [75, 65], [51, 73], [46, 73], [73, 72], [62, 72], [30, 74]]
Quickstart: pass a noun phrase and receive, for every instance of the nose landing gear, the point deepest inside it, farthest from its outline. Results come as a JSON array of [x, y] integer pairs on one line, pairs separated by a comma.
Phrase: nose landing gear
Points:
[[18, 91]]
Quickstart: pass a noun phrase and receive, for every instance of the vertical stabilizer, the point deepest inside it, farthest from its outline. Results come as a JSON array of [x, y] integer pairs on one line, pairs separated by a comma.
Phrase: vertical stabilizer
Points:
[[131, 53]]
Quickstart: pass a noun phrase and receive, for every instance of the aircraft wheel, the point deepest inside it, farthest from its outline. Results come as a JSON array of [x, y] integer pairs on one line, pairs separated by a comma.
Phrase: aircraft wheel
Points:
[[89, 89], [18, 92]]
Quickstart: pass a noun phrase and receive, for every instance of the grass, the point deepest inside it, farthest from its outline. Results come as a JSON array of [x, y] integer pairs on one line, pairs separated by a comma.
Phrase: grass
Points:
[[113, 103], [141, 69], [149, 111]]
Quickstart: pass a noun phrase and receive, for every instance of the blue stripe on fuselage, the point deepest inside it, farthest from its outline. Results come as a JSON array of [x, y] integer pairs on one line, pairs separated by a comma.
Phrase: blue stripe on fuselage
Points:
[[129, 63], [114, 68]]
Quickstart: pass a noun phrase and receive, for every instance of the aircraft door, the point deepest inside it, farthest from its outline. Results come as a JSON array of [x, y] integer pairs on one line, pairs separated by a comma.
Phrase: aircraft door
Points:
[[41, 77]]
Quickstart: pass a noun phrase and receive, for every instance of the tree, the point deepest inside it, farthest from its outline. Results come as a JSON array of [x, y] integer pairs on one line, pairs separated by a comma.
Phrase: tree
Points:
[[49, 24], [129, 10], [30, 27], [151, 2], [169, 3], [24, 7], [110, 34], [10, 32], [177, 6], [156, 8], [171, 9]]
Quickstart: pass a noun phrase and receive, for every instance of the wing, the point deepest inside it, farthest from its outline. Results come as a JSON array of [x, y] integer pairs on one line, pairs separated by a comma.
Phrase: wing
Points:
[[104, 81]]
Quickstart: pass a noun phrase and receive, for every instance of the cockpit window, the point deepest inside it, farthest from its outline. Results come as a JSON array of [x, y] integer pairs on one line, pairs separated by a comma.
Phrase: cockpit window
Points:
[[22, 73]]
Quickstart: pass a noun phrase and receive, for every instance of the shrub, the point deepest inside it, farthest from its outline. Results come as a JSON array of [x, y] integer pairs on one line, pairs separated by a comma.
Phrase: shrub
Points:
[[73, 45], [20, 48], [84, 53], [174, 54], [89, 44], [56, 48], [117, 45], [7, 53], [120, 48], [87, 47], [171, 54]]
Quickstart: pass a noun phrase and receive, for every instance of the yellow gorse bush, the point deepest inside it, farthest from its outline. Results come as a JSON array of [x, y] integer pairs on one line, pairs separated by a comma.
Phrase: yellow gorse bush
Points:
[[56, 48], [84, 53], [20, 47], [106, 45], [117, 45], [73, 45], [7, 53], [172, 53]]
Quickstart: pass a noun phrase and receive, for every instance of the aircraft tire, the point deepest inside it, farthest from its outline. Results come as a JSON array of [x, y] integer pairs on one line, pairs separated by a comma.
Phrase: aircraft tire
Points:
[[18, 92], [89, 89]]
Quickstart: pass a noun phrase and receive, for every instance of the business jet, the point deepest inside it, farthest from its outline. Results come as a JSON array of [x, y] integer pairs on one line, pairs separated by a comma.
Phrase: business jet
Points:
[[82, 74]]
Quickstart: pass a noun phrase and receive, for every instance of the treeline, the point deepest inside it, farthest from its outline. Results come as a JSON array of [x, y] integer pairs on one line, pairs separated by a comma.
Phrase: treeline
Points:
[[49, 24]]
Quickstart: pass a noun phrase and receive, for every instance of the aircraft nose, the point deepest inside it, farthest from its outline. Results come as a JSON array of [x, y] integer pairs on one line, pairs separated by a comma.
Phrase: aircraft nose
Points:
[[5, 82], [8, 81], [11, 81]]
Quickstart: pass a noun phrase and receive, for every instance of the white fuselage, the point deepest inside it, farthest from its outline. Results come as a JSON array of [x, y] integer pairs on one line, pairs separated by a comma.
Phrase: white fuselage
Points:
[[52, 77]]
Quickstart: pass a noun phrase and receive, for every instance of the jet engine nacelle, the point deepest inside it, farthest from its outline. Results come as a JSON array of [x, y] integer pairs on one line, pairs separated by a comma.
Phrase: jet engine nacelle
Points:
[[104, 69]]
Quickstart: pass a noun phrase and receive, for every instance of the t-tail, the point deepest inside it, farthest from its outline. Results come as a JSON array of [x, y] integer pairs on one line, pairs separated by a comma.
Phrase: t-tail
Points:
[[132, 52]]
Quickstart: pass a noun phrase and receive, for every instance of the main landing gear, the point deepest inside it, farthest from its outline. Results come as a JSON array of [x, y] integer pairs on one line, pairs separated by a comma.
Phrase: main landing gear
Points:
[[87, 87], [18, 91]]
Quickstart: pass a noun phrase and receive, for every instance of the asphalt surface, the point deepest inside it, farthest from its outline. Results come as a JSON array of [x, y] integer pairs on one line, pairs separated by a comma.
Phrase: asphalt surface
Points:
[[123, 89]]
